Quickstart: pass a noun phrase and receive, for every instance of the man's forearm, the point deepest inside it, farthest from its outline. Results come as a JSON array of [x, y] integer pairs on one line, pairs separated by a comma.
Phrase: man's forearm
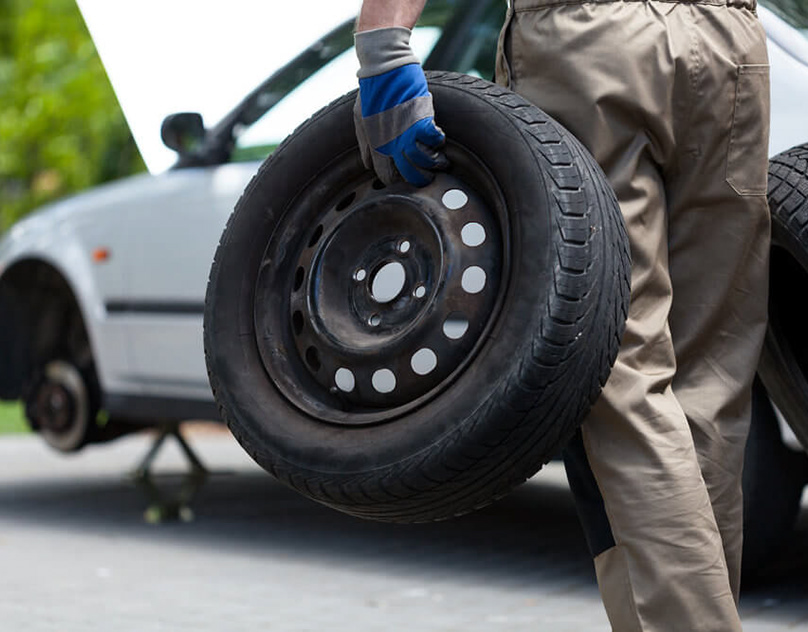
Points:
[[394, 115], [376, 14]]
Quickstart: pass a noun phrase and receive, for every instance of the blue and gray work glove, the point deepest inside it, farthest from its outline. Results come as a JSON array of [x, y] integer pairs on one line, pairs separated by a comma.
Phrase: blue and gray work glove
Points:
[[393, 113]]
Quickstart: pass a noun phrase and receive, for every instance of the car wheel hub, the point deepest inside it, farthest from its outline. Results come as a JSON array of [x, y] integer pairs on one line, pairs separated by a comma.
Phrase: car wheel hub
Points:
[[61, 406], [55, 407], [392, 291]]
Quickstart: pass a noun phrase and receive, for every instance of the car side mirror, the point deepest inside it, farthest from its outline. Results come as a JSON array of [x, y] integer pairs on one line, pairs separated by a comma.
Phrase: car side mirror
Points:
[[184, 132]]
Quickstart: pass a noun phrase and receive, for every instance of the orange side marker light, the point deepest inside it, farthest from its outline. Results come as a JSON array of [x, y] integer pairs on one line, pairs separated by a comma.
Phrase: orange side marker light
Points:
[[101, 255]]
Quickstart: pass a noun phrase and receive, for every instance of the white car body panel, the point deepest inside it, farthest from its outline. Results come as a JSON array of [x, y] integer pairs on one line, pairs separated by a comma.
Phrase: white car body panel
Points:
[[788, 58]]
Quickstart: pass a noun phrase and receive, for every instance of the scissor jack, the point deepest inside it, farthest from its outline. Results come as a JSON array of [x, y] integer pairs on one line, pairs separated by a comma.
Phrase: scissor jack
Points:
[[167, 505]]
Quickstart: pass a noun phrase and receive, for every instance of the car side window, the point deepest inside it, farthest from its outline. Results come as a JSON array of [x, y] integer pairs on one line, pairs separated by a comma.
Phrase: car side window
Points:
[[795, 12]]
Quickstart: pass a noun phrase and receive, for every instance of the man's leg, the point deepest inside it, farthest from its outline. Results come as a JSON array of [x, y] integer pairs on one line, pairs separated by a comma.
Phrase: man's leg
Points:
[[609, 73], [719, 249], [667, 569]]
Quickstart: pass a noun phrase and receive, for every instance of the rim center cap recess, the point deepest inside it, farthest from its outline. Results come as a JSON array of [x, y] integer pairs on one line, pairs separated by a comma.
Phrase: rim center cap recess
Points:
[[370, 277]]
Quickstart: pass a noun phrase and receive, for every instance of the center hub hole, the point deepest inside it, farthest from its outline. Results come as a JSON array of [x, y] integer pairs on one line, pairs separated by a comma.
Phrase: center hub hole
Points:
[[388, 282]]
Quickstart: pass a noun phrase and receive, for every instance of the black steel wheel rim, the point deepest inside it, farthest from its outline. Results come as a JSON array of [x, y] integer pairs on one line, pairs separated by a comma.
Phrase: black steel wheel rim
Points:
[[371, 300]]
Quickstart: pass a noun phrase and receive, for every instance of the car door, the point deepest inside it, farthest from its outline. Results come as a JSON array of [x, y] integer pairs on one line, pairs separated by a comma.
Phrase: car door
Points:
[[173, 230]]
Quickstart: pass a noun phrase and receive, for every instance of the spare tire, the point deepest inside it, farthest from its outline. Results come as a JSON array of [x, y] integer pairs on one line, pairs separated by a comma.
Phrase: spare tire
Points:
[[410, 354], [784, 359]]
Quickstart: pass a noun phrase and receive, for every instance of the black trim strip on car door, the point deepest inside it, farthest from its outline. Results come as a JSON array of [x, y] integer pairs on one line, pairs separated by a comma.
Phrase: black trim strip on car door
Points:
[[155, 307]]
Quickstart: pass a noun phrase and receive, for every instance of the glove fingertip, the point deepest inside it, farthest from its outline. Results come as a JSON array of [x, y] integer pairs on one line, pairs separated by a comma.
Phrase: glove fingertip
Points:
[[386, 170], [442, 162], [412, 174], [430, 134]]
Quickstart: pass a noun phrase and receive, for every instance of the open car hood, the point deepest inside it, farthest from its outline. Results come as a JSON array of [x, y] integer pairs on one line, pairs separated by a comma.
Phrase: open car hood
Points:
[[184, 55]]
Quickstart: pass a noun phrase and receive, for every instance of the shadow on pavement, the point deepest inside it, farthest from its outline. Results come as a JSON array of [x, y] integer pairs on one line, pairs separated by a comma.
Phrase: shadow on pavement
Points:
[[530, 537], [531, 533]]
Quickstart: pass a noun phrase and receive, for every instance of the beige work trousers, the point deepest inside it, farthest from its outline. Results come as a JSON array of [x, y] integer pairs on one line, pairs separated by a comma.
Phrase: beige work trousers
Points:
[[672, 99]]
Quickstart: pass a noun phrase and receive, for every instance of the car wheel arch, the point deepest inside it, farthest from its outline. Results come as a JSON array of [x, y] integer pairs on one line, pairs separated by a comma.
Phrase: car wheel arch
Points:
[[40, 303]]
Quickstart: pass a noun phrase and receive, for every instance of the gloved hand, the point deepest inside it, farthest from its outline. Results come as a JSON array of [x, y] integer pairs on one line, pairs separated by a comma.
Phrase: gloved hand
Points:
[[393, 113]]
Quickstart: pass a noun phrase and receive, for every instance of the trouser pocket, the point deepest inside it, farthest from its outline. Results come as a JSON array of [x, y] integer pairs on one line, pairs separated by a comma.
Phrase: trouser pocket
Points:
[[747, 154]]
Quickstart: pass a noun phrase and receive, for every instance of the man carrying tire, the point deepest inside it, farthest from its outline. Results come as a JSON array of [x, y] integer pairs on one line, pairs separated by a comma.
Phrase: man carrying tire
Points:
[[671, 98]]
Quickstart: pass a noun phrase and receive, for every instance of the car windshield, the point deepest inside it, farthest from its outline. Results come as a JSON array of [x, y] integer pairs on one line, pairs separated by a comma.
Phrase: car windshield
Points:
[[328, 70], [795, 12]]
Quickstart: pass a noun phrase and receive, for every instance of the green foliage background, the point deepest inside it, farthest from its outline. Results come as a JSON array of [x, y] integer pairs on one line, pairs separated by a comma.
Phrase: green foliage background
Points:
[[61, 127], [12, 420]]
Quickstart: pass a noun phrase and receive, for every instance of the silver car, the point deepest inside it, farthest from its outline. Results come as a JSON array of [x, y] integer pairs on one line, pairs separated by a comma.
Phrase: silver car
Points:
[[101, 295]]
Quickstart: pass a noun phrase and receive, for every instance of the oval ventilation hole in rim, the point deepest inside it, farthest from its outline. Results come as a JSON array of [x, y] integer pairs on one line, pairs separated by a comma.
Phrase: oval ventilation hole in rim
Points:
[[473, 234], [473, 280], [318, 232], [346, 201], [300, 274], [424, 361], [455, 326], [345, 380], [384, 381], [298, 322], [454, 199], [313, 358]]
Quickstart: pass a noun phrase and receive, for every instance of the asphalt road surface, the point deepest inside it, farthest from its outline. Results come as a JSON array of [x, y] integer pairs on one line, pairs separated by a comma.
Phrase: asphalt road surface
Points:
[[78, 553]]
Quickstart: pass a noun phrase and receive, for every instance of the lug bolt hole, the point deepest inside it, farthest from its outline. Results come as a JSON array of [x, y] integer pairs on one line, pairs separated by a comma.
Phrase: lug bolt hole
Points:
[[404, 247], [360, 275], [419, 292], [375, 320]]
